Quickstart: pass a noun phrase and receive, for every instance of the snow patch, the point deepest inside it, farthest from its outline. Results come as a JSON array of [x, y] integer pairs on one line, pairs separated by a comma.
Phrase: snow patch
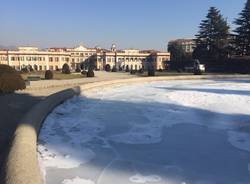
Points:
[[139, 178], [71, 131], [139, 134], [64, 157], [77, 180], [240, 140], [205, 182]]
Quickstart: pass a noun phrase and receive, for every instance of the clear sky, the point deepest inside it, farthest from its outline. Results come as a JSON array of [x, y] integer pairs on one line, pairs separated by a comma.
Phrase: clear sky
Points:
[[142, 24]]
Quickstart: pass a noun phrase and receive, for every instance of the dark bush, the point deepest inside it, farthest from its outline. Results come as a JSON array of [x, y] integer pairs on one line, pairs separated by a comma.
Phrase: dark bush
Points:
[[25, 70], [151, 72], [30, 68], [114, 69], [84, 72], [90, 73], [133, 72], [10, 80], [179, 70], [160, 70], [78, 70], [35, 67], [107, 68], [127, 68], [66, 69], [48, 75], [141, 71]]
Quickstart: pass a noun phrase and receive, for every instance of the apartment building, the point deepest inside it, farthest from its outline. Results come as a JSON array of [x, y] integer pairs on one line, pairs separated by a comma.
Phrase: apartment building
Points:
[[55, 58]]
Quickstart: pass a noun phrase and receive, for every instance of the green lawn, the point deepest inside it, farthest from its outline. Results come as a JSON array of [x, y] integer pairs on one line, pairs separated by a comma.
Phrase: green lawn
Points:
[[57, 75]]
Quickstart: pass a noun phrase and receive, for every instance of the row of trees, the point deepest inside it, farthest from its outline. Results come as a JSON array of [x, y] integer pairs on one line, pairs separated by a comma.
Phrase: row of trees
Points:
[[214, 40]]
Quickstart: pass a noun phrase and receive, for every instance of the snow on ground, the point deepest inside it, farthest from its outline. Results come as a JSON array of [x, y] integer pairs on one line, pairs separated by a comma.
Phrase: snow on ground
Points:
[[77, 180], [138, 178], [159, 132]]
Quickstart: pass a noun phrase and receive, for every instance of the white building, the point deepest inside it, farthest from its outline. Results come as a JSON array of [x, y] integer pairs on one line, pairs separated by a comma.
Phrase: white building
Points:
[[55, 58]]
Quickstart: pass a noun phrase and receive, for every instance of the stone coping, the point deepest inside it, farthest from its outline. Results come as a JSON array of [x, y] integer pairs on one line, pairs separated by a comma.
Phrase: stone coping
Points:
[[22, 165]]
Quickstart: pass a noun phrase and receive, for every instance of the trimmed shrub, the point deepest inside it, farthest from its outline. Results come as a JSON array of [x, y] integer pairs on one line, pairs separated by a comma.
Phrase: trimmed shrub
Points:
[[78, 70], [151, 72], [48, 75], [107, 68], [30, 68], [84, 72], [141, 71], [133, 72], [66, 69], [127, 68], [10, 80], [25, 70], [114, 69], [90, 73], [35, 67]]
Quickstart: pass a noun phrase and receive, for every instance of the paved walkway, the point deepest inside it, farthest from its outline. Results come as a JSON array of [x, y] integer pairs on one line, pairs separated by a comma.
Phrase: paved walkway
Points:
[[46, 87], [14, 106]]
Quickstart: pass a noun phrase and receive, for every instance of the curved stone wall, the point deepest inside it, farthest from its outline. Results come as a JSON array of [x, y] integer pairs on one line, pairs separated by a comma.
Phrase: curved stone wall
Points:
[[22, 164]]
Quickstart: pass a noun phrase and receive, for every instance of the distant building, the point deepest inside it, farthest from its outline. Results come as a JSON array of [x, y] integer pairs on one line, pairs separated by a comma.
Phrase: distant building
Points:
[[55, 58], [32, 56], [187, 45]]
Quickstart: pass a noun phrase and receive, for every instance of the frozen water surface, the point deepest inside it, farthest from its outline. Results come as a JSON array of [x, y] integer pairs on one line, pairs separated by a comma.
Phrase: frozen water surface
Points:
[[171, 132]]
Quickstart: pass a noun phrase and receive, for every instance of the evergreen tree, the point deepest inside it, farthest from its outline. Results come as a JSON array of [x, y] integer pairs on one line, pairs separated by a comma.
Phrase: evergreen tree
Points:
[[242, 39], [213, 36], [179, 57], [177, 53]]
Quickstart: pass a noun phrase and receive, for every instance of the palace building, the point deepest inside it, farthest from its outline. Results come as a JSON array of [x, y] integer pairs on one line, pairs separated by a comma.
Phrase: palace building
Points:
[[55, 58]]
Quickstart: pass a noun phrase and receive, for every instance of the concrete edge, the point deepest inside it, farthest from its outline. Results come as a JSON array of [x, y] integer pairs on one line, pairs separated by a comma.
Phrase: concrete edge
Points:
[[93, 85], [28, 89], [22, 164]]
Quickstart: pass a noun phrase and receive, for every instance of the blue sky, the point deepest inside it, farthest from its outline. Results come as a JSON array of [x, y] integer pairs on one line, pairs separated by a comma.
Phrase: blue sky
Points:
[[142, 24]]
